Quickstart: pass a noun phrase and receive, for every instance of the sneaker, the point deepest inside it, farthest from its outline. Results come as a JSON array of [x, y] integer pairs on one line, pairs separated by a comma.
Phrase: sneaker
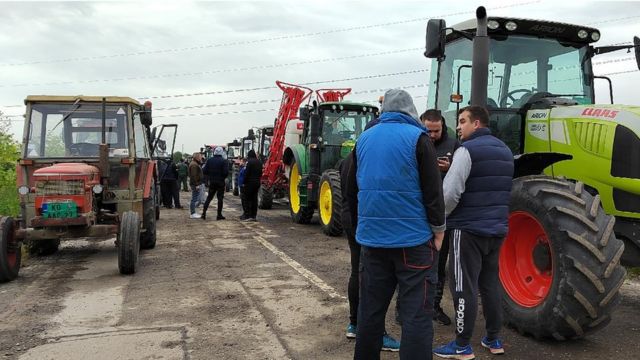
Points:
[[441, 317], [453, 351], [495, 346], [220, 217], [203, 216], [247, 219], [351, 331], [390, 344], [194, 216], [243, 217]]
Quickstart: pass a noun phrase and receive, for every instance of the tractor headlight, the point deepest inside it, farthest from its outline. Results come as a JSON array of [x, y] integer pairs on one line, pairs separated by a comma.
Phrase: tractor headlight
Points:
[[511, 26], [492, 24], [595, 36], [23, 190], [97, 189], [582, 34]]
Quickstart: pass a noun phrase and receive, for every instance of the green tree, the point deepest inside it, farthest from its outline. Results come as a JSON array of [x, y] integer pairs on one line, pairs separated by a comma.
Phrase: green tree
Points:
[[9, 153]]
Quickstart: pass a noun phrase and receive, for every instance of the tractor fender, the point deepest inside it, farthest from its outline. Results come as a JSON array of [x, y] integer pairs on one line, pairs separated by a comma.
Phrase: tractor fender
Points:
[[535, 163], [149, 179], [297, 153]]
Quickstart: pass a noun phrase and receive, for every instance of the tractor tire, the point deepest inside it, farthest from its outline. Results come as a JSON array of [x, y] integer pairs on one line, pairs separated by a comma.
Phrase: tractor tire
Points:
[[265, 198], [560, 271], [299, 214], [129, 243], [330, 203], [43, 247], [148, 237], [10, 251]]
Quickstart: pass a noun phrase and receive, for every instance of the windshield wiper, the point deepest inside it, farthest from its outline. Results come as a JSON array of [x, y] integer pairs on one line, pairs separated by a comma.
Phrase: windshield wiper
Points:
[[77, 106]]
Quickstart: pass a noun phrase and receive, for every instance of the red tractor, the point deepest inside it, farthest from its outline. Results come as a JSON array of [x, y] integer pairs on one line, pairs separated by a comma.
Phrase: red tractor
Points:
[[87, 170]]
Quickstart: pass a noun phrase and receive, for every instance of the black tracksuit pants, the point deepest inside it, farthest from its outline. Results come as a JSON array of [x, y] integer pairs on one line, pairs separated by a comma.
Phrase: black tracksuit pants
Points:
[[411, 268], [473, 266], [251, 199], [353, 289], [216, 189]]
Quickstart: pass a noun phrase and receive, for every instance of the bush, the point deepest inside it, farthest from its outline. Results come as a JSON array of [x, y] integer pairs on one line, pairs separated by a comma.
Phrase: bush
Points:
[[9, 153]]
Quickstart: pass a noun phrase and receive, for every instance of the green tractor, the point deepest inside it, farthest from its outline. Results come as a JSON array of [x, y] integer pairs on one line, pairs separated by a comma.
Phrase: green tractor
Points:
[[330, 132], [575, 203]]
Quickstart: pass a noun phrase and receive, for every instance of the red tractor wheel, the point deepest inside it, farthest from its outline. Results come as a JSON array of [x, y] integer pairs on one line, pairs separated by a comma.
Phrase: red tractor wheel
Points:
[[10, 252], [560, 262]]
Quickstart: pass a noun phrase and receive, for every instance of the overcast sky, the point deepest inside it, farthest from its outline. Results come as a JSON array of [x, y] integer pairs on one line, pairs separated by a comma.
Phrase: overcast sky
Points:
[[173, 52]]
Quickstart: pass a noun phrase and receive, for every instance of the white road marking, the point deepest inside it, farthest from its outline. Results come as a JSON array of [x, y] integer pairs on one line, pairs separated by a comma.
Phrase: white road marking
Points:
[[313, 278]]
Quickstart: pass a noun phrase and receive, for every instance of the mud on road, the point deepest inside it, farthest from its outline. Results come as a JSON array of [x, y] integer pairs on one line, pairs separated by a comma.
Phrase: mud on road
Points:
[[227, 290]]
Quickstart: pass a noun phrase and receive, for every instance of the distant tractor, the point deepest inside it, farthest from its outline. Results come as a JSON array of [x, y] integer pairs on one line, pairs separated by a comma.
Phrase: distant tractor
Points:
[[87, 170], [330, 131], [560, 263]]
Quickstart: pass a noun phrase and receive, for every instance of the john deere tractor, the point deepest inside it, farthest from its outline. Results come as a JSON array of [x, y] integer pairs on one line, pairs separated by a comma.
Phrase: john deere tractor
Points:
[[575, 203], [329, 134]]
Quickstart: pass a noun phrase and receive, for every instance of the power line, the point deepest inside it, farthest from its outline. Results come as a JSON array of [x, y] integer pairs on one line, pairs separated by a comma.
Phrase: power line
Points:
[[255, 41], [217, 71]]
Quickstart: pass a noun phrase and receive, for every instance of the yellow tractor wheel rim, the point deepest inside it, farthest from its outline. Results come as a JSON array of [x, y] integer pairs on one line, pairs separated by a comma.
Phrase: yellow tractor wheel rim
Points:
[[325, 203], [294, 196]]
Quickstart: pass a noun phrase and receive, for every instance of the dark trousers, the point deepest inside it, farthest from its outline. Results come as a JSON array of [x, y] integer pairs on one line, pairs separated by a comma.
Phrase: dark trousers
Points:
[[183, 182], [243, 202], [382, 269], [474, 265], [216, 189], [170, 193], [353, 289], [443, 255], [251, 198]]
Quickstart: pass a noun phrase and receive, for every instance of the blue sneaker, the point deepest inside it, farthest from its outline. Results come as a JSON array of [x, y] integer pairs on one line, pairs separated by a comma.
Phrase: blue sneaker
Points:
[[351, 331], [495, 346], [453, 351], [390, 344]]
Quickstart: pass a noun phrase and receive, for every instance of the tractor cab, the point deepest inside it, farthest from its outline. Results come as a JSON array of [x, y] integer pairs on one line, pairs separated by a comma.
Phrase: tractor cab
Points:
[[529, 62], [88, 169]]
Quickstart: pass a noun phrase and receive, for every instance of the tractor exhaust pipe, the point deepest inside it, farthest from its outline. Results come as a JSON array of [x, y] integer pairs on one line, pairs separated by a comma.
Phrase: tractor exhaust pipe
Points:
[[480, 64], [104, 147]]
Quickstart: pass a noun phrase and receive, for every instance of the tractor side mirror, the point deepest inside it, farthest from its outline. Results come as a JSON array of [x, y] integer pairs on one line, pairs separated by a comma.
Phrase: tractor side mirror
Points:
[[305, 113], [145, 115], [251, 135], [636, 43], [435, 38]]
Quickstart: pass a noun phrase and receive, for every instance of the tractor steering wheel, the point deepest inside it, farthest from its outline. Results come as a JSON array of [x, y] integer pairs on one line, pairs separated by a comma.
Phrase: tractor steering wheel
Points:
[[509, 96]]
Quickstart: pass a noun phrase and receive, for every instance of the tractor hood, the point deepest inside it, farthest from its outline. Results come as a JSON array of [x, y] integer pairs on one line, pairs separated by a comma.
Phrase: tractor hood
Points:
[[67, 169], [625, 115]]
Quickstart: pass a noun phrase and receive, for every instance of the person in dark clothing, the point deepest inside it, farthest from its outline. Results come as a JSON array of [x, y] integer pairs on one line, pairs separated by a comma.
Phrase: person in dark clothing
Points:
[[353, 289], [195, 180], [252, 176], [183, 172], [395, 185], [477, 190], [169, 186], [243, 201], [217, 169], [445, 147]]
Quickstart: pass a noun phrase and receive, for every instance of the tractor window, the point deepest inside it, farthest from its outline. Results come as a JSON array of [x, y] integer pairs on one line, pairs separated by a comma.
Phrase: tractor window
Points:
[[341, 126], [140, 138], [75, 130]]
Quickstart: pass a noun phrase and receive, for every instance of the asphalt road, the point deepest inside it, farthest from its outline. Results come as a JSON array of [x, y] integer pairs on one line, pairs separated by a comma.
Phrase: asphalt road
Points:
[[227, 290]]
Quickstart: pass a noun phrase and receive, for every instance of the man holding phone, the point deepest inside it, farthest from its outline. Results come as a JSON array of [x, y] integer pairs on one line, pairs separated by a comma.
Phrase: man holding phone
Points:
[[445, 147]]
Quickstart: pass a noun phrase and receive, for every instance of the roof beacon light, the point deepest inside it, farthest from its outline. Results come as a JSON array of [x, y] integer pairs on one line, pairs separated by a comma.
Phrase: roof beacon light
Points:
[[582, 34], [595, 36], [492, 24], [511, 26]]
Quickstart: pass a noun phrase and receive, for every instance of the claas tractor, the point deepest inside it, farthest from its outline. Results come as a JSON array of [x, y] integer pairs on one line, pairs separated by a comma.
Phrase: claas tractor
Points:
[[87, 170], [330, 131], [575, 203]]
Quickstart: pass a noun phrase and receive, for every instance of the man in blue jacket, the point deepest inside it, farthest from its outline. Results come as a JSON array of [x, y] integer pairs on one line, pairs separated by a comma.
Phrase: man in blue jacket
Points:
[[394, 183], [217, 169], [477, 189]]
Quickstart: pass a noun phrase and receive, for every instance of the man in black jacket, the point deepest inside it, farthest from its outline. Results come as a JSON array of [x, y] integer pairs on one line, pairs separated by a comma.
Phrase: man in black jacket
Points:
[[251, 185], [445, 147], [217, 170]]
